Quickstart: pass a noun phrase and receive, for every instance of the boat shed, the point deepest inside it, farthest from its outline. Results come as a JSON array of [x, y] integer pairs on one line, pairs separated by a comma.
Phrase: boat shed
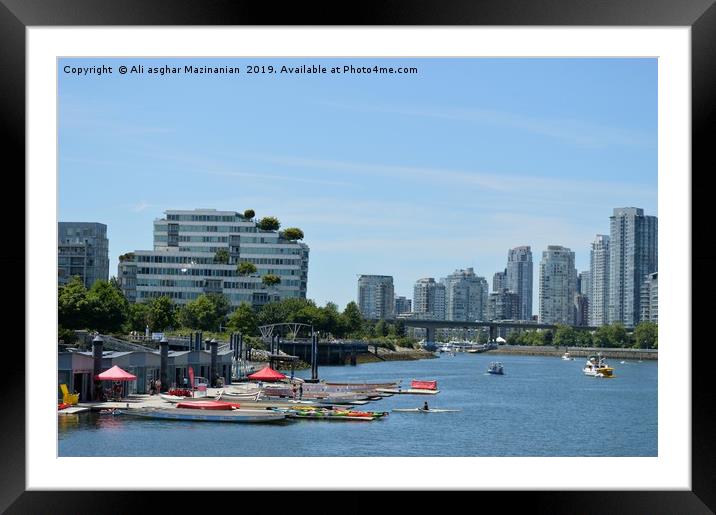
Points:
[[143, 364], [200, 360], [75, 370]]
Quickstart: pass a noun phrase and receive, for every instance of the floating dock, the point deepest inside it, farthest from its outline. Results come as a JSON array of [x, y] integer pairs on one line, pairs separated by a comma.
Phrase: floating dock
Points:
[[73, 410], [238, 415]]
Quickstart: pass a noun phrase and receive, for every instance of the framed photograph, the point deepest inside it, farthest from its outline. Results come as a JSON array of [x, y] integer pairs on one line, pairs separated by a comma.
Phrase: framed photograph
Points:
[[407, 143]]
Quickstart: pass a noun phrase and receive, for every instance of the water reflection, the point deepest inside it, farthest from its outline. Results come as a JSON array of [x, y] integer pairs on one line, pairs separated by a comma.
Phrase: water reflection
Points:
[[67, 422]]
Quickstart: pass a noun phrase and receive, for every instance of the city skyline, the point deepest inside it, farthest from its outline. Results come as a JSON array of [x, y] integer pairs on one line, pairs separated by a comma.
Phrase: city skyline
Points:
[[385, 175]]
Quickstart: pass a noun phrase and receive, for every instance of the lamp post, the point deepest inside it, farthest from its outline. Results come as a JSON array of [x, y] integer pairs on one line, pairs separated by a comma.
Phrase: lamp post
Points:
[[97, 345], [213, 347], [163, 364]]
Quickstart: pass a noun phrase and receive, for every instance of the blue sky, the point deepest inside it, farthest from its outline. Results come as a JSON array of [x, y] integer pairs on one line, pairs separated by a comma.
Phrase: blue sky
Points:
[[404, 175]]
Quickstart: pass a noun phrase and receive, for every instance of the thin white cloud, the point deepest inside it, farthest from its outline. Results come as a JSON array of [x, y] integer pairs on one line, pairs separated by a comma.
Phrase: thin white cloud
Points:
[[506, 183], [568, 130], [271, 177], [141, 206], [230, 168]]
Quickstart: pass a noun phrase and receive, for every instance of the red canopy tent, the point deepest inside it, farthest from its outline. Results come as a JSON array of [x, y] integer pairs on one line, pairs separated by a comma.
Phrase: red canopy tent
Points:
[[267, 374], [115, 374]]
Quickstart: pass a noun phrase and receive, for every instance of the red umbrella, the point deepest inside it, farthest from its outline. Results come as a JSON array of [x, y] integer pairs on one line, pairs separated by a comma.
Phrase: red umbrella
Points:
[[267, 374], [115, 374]]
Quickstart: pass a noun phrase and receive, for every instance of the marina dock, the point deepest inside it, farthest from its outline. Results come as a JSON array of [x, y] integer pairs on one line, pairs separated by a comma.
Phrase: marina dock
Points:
[[137, 401]]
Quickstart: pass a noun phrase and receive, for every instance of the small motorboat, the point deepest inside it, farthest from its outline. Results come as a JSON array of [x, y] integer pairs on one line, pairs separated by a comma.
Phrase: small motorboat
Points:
[[596, 366], [567, 357], [496, 368], [172, 398]]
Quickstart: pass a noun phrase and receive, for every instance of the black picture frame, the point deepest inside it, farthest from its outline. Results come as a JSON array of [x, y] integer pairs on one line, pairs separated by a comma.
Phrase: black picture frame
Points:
[[699, 15]]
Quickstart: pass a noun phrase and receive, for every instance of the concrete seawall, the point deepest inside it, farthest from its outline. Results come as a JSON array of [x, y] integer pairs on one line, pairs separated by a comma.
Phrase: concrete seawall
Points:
[[577, 352]]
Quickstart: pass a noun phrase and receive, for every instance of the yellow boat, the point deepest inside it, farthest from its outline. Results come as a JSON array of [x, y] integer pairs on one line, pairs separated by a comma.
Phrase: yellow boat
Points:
[[597, 367]]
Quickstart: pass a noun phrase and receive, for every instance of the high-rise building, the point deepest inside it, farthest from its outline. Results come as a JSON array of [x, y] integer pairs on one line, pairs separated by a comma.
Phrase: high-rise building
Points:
[[127, 275], [581, 309], [376, 296], [584, 282], [519, 278], [557, 286], [403, 305], [503, 305], [599, 289], [199, 251], [650, 298], [465, 296], [499, 281], [83, 251], [633, 255], [429, 299]]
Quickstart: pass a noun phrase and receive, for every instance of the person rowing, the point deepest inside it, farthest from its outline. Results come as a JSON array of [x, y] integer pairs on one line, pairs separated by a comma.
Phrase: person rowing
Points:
[[425, 406]]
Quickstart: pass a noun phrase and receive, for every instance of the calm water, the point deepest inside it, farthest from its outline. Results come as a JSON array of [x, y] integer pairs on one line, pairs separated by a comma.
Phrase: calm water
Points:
[[542, 406]]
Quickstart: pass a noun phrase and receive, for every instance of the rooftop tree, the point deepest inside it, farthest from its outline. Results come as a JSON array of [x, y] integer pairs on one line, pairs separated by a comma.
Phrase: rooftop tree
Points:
[[293, 233], [249, 214], [246, 268], [271, 280], [269, 223], [221, 256]]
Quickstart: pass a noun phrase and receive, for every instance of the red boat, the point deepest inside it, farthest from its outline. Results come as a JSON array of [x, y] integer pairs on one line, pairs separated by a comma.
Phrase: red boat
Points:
[[424, 385], [212, 405]]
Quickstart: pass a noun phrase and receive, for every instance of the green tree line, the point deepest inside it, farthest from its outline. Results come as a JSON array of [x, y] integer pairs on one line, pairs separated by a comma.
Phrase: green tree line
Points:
[[104, 308], [644, 336]]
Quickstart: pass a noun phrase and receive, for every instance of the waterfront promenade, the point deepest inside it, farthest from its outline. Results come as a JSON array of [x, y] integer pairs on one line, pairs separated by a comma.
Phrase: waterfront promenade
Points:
[[577, 352]]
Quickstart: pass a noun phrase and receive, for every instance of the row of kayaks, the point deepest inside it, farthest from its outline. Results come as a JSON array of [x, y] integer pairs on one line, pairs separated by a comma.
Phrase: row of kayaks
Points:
[[318, 414], [217, 411]]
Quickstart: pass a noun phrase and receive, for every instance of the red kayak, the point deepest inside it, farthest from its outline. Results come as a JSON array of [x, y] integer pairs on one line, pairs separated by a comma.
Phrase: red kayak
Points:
[[213, 405]]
